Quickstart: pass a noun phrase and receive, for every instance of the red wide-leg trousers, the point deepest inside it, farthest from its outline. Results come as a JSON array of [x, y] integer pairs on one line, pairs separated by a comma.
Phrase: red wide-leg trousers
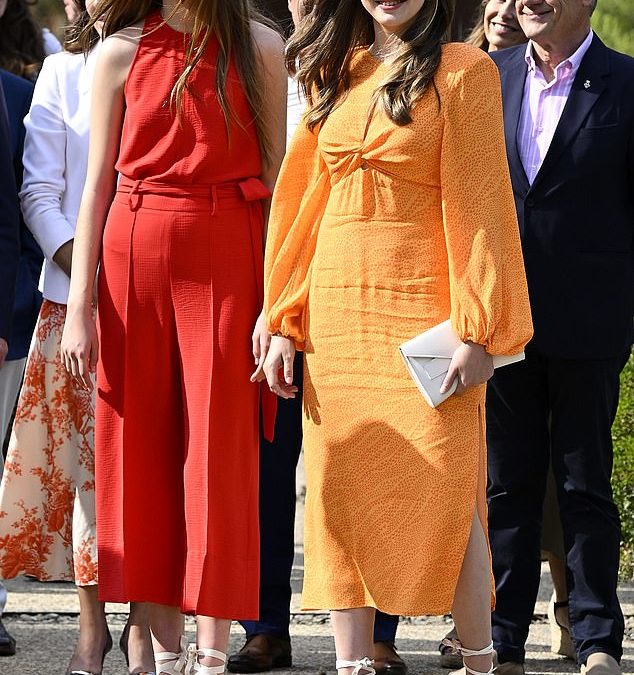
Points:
[[177, 419]]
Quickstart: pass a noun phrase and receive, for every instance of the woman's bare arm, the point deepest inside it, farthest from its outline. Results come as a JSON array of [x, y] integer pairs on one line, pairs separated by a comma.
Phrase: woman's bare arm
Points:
[[275, 81], [79, 341]]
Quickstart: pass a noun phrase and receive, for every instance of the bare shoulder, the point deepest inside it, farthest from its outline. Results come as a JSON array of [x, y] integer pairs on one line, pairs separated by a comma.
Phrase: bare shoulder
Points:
[[118, 50], [462, 64], [268, 40]]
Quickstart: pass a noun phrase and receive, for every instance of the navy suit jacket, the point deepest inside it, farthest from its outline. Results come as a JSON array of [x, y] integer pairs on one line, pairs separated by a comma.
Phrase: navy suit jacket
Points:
[[577, 218], [9, 225], [18, 93]]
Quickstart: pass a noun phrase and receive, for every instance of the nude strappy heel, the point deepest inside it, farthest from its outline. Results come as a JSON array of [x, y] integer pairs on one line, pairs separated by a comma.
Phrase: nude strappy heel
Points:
[[464, 652], [195, 668], [170, 663], [364, 664]]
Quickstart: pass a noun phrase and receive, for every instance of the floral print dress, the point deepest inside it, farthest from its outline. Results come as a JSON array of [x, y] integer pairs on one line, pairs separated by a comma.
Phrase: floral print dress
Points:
[[47, 500]]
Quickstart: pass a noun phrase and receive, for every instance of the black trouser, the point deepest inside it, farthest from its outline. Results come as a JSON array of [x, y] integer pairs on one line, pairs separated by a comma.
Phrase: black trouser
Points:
[[278, 464], [563, 409]]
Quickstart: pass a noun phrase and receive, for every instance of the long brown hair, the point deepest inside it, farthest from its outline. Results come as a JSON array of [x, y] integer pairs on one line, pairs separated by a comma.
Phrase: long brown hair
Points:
[[74, 31], [231, 23], [21, 41], [477, 37], [320, 52]]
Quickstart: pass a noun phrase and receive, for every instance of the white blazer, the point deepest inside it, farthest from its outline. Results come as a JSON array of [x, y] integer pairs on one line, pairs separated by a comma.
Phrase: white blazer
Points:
[[56, 159]]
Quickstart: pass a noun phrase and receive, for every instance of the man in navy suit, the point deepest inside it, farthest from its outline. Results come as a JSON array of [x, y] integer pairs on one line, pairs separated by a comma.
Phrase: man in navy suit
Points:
[[569, 124], [9, 258], [18, 93]]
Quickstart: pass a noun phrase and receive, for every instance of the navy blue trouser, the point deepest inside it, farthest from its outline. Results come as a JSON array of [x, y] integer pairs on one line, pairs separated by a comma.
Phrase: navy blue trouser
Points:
[[561, 409], [278, 463]]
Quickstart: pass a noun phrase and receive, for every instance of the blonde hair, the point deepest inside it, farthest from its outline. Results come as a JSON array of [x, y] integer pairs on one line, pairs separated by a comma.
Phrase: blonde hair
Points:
[[320, 52], [230, 21], [477, 37]]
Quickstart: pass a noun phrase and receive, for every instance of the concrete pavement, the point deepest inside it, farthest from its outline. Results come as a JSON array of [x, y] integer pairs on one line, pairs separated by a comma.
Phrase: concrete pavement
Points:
[[46, 641]]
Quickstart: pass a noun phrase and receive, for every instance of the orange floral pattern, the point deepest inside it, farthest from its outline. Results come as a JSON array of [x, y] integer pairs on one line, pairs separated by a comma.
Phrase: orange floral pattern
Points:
[[47, 494]]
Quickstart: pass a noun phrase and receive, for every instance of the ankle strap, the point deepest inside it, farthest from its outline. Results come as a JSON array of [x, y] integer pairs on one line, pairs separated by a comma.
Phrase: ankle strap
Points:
[[211, 653], [456, 645], [362, 664], [463, 651], [171, 656], [478, 672], [172, 662], [203, 652]]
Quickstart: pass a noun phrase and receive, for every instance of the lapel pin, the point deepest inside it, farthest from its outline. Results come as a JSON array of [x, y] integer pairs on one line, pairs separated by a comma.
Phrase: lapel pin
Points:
[[586, 84]]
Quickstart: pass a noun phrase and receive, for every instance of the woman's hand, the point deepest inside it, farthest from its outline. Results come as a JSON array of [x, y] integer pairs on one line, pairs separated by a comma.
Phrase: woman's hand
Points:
[[281, 354], [261, 339], [471, 365], [80, 345]]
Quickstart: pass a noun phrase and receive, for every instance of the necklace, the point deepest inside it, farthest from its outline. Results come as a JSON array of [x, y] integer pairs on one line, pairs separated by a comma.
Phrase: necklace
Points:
[[382, 54]]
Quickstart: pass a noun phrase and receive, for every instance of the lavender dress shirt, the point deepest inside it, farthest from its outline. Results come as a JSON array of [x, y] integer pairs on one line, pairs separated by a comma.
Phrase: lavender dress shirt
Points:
[[542, 105]]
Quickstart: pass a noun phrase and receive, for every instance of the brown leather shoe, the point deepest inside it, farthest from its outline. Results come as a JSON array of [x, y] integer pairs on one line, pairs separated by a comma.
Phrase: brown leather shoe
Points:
[[449, 657], [387, 661], [261, 653], [508, 667]]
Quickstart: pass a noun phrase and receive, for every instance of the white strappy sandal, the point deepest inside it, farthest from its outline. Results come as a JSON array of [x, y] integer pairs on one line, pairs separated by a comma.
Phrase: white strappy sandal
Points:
[[195, 668], [364, 664], [464, 652], [170, 663]]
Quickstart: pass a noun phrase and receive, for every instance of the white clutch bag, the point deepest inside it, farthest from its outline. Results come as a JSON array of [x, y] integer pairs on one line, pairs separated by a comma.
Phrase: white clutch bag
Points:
[[428, 355]]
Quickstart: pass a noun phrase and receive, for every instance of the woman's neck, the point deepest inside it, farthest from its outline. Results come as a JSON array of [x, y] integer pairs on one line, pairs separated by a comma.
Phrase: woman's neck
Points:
[[385, 45], [177, 17]]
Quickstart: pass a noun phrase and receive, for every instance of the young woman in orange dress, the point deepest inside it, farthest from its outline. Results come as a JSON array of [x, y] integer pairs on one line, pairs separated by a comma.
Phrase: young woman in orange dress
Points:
[[191, 115], [393, 212]]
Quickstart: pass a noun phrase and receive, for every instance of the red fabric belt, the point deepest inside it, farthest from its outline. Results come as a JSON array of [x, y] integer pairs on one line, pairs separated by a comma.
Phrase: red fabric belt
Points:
[[249, 189]]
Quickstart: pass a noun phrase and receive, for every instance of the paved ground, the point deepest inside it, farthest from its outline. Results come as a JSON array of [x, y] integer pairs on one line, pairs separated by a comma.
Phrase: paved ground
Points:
[[46, 643], [43, 619]]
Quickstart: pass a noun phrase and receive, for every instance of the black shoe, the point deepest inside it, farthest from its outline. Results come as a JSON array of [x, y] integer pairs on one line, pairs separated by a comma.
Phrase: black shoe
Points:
[[386, 659], [7, 642], [261, 653]]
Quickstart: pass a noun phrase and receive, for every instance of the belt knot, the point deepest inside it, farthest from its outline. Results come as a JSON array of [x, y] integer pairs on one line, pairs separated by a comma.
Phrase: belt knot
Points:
[[134, 196]]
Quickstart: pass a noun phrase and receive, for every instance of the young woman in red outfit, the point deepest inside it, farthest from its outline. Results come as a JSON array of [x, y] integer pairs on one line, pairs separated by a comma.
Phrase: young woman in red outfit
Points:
[[189, 109]]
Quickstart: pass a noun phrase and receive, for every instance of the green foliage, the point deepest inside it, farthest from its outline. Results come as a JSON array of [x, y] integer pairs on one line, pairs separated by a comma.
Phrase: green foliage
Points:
[[613, 20], [623, 473]]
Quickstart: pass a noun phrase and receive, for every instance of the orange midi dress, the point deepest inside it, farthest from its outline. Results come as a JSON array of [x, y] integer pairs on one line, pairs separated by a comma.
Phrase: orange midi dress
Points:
[[377, 233], [180, 288]]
